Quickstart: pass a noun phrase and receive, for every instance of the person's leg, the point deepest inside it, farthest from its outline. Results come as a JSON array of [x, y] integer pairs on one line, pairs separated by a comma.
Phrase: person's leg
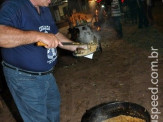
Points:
[[140, 16], [120, 32], [150, 16], [29, 93], [53, 101], [118, 27], [145, 17], [114, 23], [136, 16]]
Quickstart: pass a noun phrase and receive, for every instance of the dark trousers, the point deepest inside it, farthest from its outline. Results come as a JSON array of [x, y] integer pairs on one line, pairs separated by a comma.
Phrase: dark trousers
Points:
[[116, 21], [133, 9], [150, 16], [142, 14]]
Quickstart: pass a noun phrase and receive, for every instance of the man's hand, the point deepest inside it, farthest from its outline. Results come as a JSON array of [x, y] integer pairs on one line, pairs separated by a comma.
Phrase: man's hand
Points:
[[85, 50], [12, 37], [82, 46], [49, 40]]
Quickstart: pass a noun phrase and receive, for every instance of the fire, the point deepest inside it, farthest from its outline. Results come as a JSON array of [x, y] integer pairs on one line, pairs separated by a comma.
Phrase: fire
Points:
[[78, 19], [98, 28]]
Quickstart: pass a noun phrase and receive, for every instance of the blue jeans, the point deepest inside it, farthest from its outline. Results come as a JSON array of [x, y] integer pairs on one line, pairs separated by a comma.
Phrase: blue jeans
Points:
[[36, 96]]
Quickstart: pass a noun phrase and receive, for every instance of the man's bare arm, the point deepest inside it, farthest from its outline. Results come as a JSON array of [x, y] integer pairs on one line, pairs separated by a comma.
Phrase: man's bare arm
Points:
[[12, 37], [62, 38]]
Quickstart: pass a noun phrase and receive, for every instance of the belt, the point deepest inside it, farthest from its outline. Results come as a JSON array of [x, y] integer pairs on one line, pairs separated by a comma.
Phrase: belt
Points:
[[25, 71]]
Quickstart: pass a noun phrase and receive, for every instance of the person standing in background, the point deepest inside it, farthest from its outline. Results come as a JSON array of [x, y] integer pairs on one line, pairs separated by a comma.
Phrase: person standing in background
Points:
[[133, 8], [142, 14], [116, 17], [149, 11]]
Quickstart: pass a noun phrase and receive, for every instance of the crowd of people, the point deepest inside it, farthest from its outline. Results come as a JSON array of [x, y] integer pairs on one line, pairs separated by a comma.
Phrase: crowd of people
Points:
[[134, 11], [139, 12]]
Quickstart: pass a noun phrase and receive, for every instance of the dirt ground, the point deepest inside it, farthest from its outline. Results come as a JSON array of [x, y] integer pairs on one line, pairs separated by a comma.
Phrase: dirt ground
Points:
[[122, 72]]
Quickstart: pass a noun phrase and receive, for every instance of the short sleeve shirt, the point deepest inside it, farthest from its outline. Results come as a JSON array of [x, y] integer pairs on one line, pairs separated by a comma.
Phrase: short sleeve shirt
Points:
[[21, 14]]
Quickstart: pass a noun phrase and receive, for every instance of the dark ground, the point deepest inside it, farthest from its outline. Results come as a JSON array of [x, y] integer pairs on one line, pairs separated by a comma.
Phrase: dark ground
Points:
[[120, 73]]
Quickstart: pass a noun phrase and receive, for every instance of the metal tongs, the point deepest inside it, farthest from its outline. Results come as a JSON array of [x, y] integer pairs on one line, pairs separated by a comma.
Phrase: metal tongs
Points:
[[90, 56]]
